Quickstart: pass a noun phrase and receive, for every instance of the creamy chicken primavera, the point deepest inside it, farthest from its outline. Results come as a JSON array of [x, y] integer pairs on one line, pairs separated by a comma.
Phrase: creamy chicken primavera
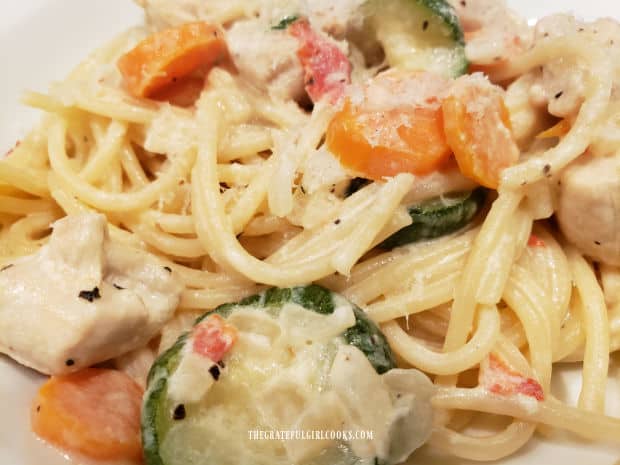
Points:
[[341, 232]]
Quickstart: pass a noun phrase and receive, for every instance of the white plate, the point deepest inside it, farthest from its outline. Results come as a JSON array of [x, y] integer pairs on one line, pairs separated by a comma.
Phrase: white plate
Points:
[[40, 41]]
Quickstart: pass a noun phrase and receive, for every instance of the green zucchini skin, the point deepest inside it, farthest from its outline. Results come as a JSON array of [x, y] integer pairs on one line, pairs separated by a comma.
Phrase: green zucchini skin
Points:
[[155, 420], [285, 22], [365, 335], [421, 34], [435, 218], [446, 12]]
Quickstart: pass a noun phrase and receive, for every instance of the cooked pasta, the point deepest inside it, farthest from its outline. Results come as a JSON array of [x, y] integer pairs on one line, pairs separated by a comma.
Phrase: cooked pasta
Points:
[[228, 194]]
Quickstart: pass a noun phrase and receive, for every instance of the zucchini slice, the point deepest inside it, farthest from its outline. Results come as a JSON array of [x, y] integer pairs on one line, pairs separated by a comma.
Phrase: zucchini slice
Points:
[[420, 34], [438, 217], [296, 347]]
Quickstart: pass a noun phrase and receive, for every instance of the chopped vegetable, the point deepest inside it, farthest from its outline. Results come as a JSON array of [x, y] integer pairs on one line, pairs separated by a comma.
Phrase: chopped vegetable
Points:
[[498, 378], [559, 129], [420, 35], [406, 136], [169, 55], [184, 92], [95, 412], [535, 241], [285, 22], [213, 337], [299, 329], [438, 217], [477, 128], [327, 68]]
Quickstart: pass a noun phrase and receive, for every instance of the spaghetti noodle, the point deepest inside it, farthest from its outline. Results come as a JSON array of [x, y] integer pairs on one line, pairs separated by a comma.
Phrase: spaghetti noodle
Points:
[[214, 190]]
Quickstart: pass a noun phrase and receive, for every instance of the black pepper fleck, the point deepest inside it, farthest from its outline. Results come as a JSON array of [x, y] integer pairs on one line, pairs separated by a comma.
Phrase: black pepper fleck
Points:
[[337, 221], [179, 412], [120, 288], [221, 364], [559, 94], [463, 3], [70, 362], [90, 295], [215, 372], [425, 25], [310, 82], [6, 267], [546, 170], [303, 191], [38, 408], [581, 29], [168, 269], [597, 242]]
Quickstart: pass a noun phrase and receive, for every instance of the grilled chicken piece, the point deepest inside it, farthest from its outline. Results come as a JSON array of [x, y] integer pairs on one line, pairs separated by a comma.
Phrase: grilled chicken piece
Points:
[[267, 58], [82, 299], [589, 207]]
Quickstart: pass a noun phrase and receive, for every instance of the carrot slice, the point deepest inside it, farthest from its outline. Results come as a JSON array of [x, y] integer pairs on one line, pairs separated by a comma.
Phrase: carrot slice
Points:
[[558, 130], [183, 93], [95, 412], [477, 128], [379, 142], [166, 56]]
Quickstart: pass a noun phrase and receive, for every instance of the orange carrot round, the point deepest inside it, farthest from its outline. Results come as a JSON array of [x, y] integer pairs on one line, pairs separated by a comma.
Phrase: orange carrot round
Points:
[[169, 55], [383, 142], [477, 128], [95, 412]]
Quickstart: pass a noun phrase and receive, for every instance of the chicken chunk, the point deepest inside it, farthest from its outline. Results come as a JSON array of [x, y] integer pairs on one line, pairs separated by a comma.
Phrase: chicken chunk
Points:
[[82, 299], [589, 207], [267, 58], [563, 81]]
